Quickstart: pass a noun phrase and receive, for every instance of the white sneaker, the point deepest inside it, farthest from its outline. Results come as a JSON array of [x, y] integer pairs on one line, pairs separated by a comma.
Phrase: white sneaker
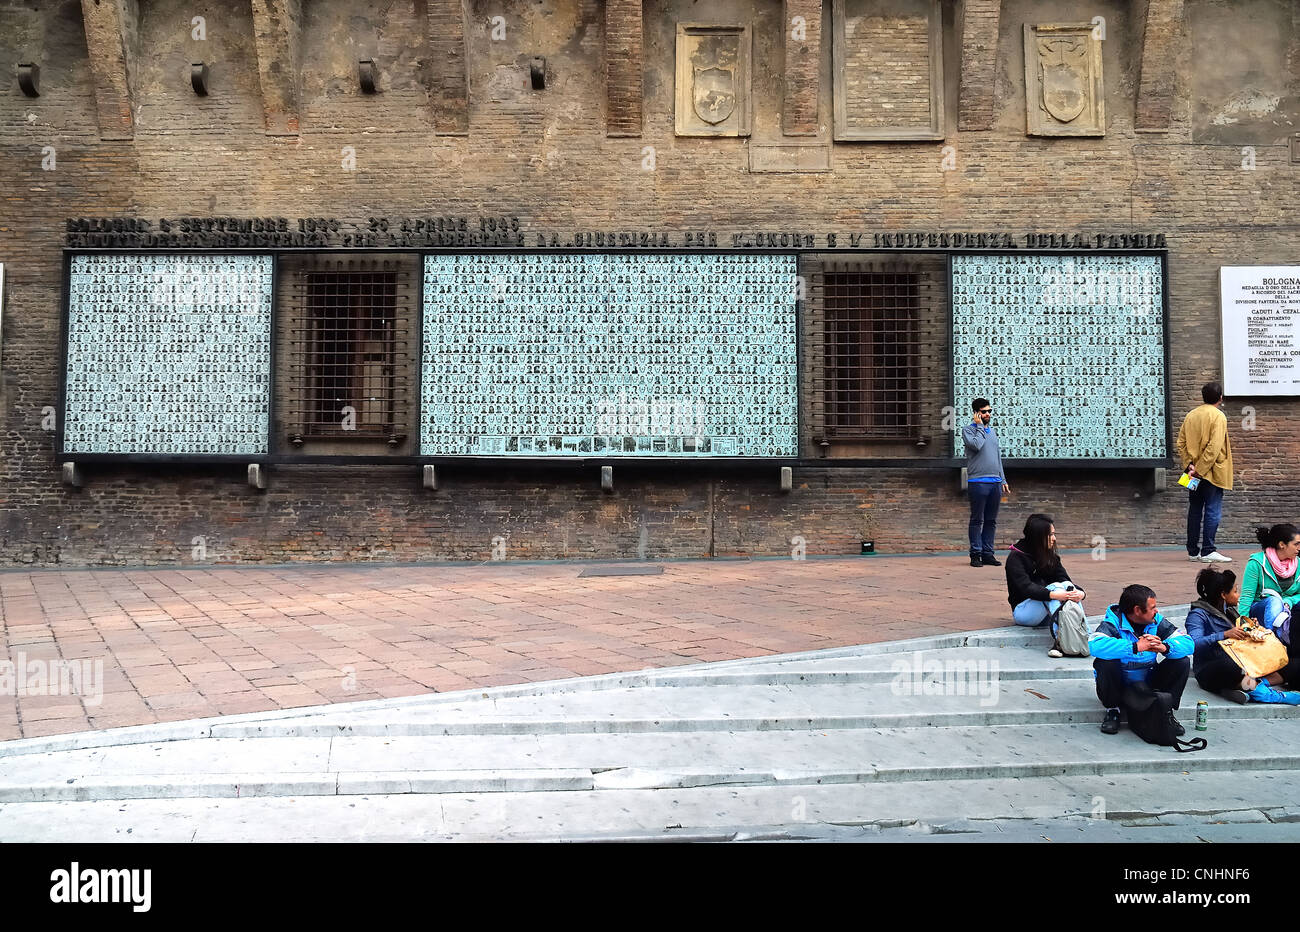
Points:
[[1215, 557], [1194, 558], [1054, 653]]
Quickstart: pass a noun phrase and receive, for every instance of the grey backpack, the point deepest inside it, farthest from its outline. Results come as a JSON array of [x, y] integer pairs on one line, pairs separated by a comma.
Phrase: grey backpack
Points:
[[1072, 630]]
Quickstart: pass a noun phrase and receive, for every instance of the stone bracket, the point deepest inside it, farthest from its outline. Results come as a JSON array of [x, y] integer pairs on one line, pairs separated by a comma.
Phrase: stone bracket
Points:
[[257, 475], [430, 480], [963, 479], [73, 476], [1157, 480], [607, 478], [787, 479]]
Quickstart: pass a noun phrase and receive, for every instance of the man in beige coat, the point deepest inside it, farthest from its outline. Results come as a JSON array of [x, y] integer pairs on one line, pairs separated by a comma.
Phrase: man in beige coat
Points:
[[1206, 454]]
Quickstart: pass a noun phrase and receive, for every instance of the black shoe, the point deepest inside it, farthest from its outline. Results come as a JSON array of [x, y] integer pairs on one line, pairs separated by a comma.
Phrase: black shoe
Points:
[[1110, 725], [1178, 726], [989, 560], [976, 560], [1235, 695]]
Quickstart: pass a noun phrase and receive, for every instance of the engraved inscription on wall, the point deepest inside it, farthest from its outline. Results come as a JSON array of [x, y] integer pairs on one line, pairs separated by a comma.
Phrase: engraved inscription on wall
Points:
[[609, 355], [168, 354], [1064, 93], [1070, 350]]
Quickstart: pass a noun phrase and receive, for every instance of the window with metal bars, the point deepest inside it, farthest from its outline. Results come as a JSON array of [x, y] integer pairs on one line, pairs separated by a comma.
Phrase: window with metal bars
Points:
[[873, 345], [348, 343]]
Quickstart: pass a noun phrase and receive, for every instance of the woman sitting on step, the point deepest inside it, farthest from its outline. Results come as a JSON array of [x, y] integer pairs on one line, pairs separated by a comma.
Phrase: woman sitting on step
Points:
[[1211, 620], [1037, 583], [1270, 584]]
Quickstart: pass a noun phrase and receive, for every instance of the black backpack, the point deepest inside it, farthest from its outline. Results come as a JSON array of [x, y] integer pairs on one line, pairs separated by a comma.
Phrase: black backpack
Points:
[[1149, 717]]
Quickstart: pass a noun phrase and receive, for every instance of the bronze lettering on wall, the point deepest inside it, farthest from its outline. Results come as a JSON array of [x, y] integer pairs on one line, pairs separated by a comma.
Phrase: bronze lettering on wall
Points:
[[507, 232]]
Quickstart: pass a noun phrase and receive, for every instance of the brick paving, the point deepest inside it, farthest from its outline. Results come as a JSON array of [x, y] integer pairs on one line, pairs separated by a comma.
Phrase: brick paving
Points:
[[181, 643]]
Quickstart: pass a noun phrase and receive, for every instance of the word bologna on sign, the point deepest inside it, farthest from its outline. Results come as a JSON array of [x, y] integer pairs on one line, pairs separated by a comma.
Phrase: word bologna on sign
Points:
[[87, 885]]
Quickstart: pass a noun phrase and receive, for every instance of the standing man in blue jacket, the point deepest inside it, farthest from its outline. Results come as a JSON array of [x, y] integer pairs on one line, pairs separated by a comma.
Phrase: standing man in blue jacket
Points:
[[985, 481], [1137, 645]]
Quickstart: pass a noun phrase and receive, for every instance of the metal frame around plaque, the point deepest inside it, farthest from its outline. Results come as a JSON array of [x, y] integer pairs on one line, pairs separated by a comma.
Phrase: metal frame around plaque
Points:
[[610, 355], [167, 354], [1073, 347]]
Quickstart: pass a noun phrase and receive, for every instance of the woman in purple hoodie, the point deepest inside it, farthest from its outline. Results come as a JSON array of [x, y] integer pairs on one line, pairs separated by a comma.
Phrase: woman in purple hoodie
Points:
[[1037, 583]]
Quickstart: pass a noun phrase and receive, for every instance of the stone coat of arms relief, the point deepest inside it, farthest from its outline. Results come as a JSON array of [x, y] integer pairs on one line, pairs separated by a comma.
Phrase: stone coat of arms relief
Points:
[[1064, 93], [712, 94]]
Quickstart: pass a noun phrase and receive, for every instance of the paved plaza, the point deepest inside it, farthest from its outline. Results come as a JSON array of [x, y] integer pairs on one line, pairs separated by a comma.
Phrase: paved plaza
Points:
[[188, 643]]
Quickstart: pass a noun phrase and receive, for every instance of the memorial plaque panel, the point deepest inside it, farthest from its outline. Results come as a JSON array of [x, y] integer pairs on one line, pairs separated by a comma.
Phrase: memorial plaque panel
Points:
[[1070, 350], [609, 355], [168, 354], [1261, 329]]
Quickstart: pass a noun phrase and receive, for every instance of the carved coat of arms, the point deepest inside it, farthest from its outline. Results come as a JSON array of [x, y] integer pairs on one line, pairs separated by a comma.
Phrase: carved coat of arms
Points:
[[1066, 95], [715, 93], [712, 91], [1063, 77]]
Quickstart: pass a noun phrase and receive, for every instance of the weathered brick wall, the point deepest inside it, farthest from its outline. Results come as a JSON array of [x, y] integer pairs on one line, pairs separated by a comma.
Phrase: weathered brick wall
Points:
[[887, 71], [546, 157]]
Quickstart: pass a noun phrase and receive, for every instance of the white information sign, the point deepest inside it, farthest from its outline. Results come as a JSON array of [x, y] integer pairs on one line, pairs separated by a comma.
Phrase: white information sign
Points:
[[1261, 329]]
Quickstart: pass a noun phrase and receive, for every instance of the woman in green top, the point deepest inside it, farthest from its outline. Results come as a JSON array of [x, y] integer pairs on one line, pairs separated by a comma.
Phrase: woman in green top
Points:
[[1270, 585]]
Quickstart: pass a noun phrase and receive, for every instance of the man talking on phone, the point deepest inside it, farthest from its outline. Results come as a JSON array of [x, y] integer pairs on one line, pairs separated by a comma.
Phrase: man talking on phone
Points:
[[985, 482]]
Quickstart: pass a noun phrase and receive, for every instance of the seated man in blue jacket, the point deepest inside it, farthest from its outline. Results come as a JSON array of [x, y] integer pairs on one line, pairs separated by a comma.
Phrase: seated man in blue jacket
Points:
[[1136, 645]]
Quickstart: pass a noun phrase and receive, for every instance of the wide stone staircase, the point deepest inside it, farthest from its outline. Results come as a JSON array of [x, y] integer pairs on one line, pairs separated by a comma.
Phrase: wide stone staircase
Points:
[[978, 736]]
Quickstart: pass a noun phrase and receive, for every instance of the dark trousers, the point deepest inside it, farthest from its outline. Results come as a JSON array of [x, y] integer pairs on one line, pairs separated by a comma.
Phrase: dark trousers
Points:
[[984, 500], [1216, 671], [1206, 502], [1167, 676]]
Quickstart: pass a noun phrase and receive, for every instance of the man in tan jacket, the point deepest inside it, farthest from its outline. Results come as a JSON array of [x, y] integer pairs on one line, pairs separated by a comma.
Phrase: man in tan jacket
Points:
[[1206, 454]]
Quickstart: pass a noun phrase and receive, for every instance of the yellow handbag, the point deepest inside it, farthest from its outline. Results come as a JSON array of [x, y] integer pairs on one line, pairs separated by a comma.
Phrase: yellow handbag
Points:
[[1260, 654]]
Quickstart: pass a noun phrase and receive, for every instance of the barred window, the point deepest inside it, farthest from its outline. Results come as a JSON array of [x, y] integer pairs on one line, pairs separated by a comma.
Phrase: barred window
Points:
[[348, 335], [872, 353]]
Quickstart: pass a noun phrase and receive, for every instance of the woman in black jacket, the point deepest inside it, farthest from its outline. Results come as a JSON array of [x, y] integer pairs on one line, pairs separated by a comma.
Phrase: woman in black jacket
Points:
[[1211, 620], [1037, 583]]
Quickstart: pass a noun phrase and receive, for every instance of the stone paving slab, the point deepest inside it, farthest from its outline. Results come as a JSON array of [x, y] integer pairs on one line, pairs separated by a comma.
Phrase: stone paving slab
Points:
[[201, 642]]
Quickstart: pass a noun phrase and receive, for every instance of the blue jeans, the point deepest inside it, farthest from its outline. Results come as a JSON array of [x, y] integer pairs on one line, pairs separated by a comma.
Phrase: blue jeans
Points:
[[984, 500], [1271, 609], [1207, 498], [1031, 613]]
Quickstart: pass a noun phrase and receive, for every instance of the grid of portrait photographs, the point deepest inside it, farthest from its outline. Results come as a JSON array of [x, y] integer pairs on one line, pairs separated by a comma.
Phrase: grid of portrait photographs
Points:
[[168, 354], [1070, 350], [609, 355]]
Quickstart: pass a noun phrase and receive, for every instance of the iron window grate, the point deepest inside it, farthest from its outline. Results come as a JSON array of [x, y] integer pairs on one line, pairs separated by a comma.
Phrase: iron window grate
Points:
[[348, 338], [873, 346]]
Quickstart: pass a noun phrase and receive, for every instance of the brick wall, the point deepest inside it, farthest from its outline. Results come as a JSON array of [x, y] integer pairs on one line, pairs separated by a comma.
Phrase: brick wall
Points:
[[887, 71], [546, 157]]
